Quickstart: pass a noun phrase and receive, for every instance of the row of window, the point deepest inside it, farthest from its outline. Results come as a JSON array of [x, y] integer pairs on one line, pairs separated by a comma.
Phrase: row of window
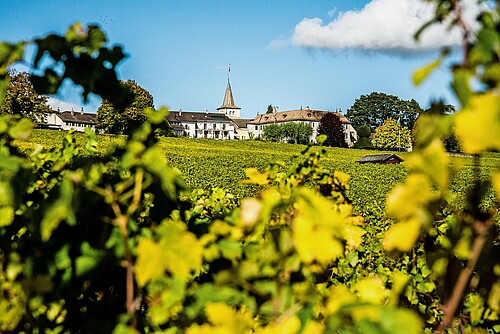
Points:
[[81, 125]]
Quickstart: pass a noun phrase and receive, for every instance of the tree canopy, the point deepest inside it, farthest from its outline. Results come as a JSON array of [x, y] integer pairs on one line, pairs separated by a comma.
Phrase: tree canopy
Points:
[[375, 108], [22, 99], [123, 121], [391, 135], [296, 133], [331, 126]]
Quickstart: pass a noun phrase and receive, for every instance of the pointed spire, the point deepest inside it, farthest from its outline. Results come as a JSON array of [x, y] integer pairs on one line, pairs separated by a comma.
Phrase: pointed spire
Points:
[[228, 97]]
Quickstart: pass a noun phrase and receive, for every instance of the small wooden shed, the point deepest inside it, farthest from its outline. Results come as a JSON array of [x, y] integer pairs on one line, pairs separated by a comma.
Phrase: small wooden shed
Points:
[[388, 158]]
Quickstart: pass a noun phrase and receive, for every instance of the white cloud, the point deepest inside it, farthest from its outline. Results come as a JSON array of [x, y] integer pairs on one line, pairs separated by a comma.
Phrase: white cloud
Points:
[[384, 26], [55, 103], [278, 44]]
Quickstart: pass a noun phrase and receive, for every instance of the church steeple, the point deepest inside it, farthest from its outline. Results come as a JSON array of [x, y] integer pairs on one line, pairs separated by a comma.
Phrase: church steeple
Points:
[[228, 98], [228, 107]]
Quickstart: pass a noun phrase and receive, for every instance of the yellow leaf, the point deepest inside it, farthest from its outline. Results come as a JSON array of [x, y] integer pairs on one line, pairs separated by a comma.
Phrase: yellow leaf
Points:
[[340, 296], [150, 262], [317, 229], [290, 325], [421, 74], [409, 201], [433, 162], [313, 327], [402, 236], [371, 290], [227, 320], [399, 281], [353, 235], [342, 177], [478, 125], [256, 177], [183, 253], [6, 216]]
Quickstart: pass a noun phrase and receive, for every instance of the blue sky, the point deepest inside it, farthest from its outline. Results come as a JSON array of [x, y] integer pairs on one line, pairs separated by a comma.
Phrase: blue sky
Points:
[[317, 53]]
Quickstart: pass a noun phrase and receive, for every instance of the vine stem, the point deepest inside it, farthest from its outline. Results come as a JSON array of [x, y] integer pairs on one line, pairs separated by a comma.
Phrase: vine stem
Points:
[[122, 220], [451, 305]]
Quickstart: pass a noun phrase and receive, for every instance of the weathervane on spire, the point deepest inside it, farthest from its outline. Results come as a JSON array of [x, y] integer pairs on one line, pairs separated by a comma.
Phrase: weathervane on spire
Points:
[[228, 71]]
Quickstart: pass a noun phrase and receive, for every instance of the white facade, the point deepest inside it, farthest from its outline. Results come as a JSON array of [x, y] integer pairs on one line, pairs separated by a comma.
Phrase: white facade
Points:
[[202, 124], [68, 120]]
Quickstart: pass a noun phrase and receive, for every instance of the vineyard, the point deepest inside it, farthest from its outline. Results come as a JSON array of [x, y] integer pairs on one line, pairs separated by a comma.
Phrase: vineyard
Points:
[[207, 164], [144, 234]]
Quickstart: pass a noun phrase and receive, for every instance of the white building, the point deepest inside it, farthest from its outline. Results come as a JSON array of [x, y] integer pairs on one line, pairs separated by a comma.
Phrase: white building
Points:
[[70, 119], [308, 116], [201, 124]]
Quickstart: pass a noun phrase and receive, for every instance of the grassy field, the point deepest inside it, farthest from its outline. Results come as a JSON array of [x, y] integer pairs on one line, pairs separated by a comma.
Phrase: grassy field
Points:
[[207, 163]]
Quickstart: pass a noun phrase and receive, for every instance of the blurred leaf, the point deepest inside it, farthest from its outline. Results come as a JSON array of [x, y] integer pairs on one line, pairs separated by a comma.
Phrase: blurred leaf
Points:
[[254, 176], [421, 74], [460, 84], [402, 236], [182, 251], [393, 320], [317, 229], [371, 290], [21, 129], [6, 215], [477, 126], [150, 262], [410, 200]]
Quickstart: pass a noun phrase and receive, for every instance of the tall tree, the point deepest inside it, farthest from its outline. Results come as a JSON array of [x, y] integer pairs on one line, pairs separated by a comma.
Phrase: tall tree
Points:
[[123, 121], [22, 99], [375, 108], [270, 109], [331, 126], [391, 135]]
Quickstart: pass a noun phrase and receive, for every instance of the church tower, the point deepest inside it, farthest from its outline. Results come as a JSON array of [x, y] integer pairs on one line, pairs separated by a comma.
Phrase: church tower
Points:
[[228, 107]]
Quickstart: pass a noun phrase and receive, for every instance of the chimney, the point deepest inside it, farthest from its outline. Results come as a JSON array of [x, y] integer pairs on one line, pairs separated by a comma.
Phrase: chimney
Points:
[[58, 109], [72, 112], [81, 111], [180, 112]]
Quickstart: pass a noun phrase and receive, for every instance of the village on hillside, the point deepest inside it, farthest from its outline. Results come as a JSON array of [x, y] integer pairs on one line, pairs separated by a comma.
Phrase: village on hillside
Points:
[[225, 124]]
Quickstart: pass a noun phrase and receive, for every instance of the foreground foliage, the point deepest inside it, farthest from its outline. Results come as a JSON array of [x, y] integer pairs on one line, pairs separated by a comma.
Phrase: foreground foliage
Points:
[[111, 243]]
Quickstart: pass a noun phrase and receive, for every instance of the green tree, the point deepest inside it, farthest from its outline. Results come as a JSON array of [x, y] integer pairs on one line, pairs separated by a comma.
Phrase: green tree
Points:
[[391, 135], [364, 141], [297, 133], [331, 126], [270, 109], [22, 99], [273, 133], [124, 121], [375, 108]]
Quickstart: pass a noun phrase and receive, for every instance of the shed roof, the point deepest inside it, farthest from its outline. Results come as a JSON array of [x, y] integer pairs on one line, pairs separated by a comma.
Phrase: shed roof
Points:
[[379, 158]]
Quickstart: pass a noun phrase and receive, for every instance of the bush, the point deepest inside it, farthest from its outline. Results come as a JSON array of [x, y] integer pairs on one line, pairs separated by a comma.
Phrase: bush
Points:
[[363, 143]]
